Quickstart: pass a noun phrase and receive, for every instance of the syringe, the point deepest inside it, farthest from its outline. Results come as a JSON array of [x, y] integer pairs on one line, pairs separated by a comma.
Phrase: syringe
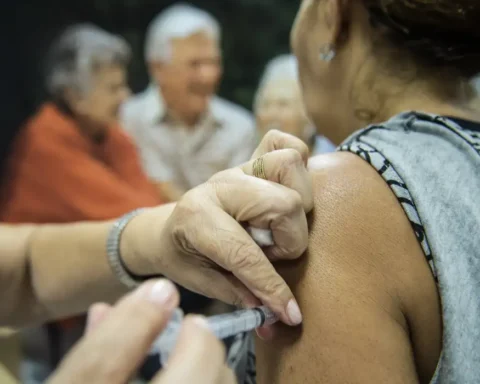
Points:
[[223, 326]]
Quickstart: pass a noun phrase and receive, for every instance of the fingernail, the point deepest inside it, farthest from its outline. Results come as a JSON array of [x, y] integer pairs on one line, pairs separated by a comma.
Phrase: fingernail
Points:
[[201, 321], [162, 293], [293, 312]]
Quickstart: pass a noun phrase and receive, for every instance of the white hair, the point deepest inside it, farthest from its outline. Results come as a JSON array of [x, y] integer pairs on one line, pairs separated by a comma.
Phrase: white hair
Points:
[[177, 22], [280, 68], [80, 50], [283, 67]]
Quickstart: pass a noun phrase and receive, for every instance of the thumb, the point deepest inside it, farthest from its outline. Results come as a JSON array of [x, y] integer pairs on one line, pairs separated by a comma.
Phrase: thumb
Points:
[[199, 357], [286, 167], [247, 262], [275, 140]]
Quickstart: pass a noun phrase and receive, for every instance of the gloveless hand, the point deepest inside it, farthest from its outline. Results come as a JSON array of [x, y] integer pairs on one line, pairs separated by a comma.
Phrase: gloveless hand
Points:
[[119, 337], [204, 245]]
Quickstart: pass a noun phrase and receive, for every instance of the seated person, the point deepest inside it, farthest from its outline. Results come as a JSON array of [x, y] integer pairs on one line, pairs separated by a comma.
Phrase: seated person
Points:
[[72, 163], [278, 105], [186, 133], [389, 288]]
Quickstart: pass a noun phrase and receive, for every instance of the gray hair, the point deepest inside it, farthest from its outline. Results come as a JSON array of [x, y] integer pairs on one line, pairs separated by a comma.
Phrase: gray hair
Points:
[[280, 68], [283, 67], [176, 22], [80, 50]]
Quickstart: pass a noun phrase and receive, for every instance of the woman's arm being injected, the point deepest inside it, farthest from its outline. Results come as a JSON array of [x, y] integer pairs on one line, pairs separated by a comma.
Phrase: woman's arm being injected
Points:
[[370, 304], [53, 271]]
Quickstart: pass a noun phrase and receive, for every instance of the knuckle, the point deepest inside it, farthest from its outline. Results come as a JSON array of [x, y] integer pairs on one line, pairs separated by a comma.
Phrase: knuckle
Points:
[[221, 176], [274, 135], [188, 204], [244, 256], [291, 156], [302, 148], [293, 201], [274, 286]]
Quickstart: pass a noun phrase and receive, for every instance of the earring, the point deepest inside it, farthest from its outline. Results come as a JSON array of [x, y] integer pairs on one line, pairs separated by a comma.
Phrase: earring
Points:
[[327, 53]]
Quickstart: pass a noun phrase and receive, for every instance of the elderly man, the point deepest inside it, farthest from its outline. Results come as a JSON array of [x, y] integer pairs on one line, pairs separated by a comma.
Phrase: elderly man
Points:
[[184, 132], [278, 104]]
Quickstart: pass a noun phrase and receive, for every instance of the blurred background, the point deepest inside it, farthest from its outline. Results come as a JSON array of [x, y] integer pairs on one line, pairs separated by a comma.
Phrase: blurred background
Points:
[[265, 22], [43, 130]]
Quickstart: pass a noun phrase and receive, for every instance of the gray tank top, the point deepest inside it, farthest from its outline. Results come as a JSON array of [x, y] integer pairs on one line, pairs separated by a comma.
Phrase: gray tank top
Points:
[[432, 165]]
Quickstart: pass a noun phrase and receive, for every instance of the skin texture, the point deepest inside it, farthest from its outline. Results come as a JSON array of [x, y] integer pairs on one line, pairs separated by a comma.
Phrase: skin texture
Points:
[[168, 241], [371, 308]]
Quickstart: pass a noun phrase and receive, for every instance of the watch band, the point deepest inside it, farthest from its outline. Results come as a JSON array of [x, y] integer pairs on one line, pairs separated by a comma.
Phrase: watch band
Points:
[[113, 251]]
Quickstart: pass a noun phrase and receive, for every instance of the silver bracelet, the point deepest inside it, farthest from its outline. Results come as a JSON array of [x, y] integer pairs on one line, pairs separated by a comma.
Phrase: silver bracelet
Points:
[[113, 251]]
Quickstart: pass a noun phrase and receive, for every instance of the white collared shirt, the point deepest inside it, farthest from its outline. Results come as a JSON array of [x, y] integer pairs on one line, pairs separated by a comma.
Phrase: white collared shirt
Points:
[[186, 156]]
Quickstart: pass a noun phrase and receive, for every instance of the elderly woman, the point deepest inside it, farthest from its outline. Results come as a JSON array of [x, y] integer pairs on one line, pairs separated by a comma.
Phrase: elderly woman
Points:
[[71, 162], [279, 105], [390, 287]]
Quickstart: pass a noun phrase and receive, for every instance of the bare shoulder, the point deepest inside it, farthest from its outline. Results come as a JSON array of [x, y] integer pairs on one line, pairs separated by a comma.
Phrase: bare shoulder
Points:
[[364, 287]]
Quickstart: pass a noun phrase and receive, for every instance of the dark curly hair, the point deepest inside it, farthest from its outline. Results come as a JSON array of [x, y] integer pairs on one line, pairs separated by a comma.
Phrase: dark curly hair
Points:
[[438, 33]]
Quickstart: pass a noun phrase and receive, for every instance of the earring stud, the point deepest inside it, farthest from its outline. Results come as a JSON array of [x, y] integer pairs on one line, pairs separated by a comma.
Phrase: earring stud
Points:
[[327, 53]]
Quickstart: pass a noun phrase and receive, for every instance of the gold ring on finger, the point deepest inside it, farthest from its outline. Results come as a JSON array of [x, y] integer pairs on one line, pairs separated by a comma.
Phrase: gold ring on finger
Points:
[[259, 168]]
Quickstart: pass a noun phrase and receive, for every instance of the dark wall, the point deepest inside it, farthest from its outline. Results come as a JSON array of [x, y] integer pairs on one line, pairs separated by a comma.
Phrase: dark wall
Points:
[[253, 32]]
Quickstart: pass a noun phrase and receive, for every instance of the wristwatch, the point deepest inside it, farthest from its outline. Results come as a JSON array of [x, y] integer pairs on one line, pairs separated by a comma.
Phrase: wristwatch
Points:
[[114, 257]]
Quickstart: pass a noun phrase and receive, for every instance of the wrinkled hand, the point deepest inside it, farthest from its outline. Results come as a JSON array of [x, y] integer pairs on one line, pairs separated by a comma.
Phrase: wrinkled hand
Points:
[[202, 244], [119, 337], [211, 253]]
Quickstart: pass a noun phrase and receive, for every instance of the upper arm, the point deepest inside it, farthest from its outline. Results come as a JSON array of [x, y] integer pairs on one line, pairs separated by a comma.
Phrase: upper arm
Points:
[[359, 287]]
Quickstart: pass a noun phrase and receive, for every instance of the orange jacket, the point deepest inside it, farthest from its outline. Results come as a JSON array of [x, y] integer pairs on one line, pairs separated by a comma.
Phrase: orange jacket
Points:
[[58, 175]]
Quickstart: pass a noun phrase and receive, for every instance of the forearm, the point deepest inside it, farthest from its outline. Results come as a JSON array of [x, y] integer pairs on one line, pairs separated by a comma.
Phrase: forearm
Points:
[[60, 270]]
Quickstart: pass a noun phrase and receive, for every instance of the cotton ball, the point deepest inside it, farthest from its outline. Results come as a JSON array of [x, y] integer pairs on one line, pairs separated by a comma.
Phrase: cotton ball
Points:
[[263, 237]]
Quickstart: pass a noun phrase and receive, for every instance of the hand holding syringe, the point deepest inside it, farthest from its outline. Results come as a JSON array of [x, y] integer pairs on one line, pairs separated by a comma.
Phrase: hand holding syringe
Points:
[[222, 326]]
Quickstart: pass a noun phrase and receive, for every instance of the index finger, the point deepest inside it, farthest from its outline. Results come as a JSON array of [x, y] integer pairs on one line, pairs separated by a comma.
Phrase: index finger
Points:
[[275, 140], [247, 262]]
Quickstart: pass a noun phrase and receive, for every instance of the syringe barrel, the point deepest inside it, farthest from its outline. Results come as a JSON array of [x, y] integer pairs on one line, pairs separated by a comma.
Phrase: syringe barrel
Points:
[[233, 323], [223, 326]]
